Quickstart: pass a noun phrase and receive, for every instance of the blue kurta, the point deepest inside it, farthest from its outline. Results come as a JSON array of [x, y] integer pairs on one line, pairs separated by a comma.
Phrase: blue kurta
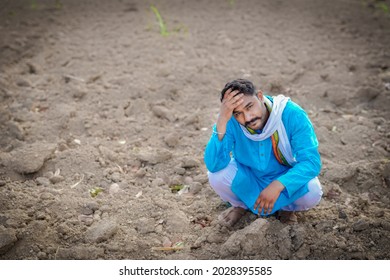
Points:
[[257, 164]]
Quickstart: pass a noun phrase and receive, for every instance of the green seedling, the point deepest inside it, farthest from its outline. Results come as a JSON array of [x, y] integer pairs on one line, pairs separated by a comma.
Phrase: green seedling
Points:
[[161, 23], [33, 5], [58, 5], [383, 7], [176, 188], [95, 191]]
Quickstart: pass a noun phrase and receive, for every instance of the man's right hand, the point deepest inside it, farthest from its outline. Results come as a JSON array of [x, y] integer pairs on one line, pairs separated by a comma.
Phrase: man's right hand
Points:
[[230, 101]]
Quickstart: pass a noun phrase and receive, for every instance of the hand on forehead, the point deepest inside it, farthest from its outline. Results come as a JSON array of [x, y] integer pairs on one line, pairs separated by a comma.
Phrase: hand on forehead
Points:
[[230, 93]]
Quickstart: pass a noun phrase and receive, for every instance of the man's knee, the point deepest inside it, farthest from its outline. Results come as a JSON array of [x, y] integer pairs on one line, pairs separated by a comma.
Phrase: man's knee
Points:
[[310, 199], [315, 188], [313, 197], [224, 177]]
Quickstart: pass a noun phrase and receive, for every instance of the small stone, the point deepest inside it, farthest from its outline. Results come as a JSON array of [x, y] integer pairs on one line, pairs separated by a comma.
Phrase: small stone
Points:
[[102, 231], [188, 180], [140, 173], [192, 119], [56, 179], [2, 183], [86, 211], [325, 226], [32, 68], [154, 157], [172, 140], [195, 187], [342, 214], [23, 83], [13, 223], [163, 113], [116, 177], [86, 219], [114, 189], [92, 205], [105, 208], [40, 215], [30, 159], [179, 170], [15, 130], [43, 181], [62, 147], [97, 216], [42, 256], [158, 182], [108, 154], [46, 196], [166, 242], [190, 163], [360, 225], [201, 178], [176, 180], [48, 174], [7, 239], [79, 93]]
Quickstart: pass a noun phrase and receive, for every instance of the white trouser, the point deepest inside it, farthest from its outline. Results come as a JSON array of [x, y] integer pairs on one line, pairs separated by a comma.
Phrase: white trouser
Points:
[[221, 182]]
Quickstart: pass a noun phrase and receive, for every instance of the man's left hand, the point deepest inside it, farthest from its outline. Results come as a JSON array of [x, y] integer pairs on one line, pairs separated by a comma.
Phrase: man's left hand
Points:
[[268, 197]]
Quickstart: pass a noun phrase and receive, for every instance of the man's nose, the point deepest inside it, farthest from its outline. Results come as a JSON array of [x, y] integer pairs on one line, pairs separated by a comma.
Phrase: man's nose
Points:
[[247, 117]]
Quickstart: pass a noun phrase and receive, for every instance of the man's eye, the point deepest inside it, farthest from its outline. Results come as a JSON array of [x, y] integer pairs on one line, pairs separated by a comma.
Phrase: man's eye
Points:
[[236, 114]]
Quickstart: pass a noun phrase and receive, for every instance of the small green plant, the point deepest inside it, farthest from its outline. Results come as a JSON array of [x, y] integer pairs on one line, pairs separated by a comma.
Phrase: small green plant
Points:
[[384, 7], [161, 23], [33, 5], [176, 188], [231, 2], [95, 191], [58, 5]]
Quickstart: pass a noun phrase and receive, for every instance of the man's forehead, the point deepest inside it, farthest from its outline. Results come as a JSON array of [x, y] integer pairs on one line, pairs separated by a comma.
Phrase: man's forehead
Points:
[[247, 100]]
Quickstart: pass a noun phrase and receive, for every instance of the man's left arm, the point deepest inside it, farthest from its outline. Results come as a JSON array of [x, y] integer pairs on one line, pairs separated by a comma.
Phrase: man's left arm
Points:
[[304, 146]]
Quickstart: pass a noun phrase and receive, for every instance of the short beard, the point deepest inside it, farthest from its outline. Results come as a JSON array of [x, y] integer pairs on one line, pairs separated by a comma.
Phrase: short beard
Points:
[[251, 121]]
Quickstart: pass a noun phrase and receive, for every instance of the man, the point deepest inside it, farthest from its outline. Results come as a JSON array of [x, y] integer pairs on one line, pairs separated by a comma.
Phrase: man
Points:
[[263, 155]]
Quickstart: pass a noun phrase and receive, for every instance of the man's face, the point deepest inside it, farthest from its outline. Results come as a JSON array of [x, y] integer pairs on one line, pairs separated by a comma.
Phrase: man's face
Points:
[[252, 112]]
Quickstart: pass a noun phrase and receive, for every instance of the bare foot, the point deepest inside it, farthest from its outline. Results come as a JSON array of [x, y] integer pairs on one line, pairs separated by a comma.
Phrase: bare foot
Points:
[[287, 217], [231, 216]]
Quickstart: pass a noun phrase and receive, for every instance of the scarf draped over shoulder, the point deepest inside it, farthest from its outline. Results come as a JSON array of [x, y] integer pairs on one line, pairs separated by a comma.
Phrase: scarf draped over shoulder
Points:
[[274, 124]]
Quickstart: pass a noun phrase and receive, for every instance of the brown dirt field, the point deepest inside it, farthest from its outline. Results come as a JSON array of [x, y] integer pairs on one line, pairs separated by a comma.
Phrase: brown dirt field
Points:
[[93, 97]]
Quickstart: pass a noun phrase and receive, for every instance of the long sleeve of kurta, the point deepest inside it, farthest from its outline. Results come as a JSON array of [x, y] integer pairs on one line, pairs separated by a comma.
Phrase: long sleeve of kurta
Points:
[[217, 153], [304, 145]]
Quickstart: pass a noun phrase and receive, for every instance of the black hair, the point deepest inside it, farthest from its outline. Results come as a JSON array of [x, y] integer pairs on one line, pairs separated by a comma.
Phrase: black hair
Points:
[[242, 85]]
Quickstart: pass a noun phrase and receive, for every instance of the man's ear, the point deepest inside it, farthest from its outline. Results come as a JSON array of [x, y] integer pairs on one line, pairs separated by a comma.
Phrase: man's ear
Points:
[[260, 95]]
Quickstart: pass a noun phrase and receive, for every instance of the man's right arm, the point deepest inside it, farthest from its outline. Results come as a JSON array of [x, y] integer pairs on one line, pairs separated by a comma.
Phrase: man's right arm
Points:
[[217, 152]]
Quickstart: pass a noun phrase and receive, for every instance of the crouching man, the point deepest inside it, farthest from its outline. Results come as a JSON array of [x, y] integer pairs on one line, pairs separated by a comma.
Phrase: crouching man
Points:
[[262, 155]]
